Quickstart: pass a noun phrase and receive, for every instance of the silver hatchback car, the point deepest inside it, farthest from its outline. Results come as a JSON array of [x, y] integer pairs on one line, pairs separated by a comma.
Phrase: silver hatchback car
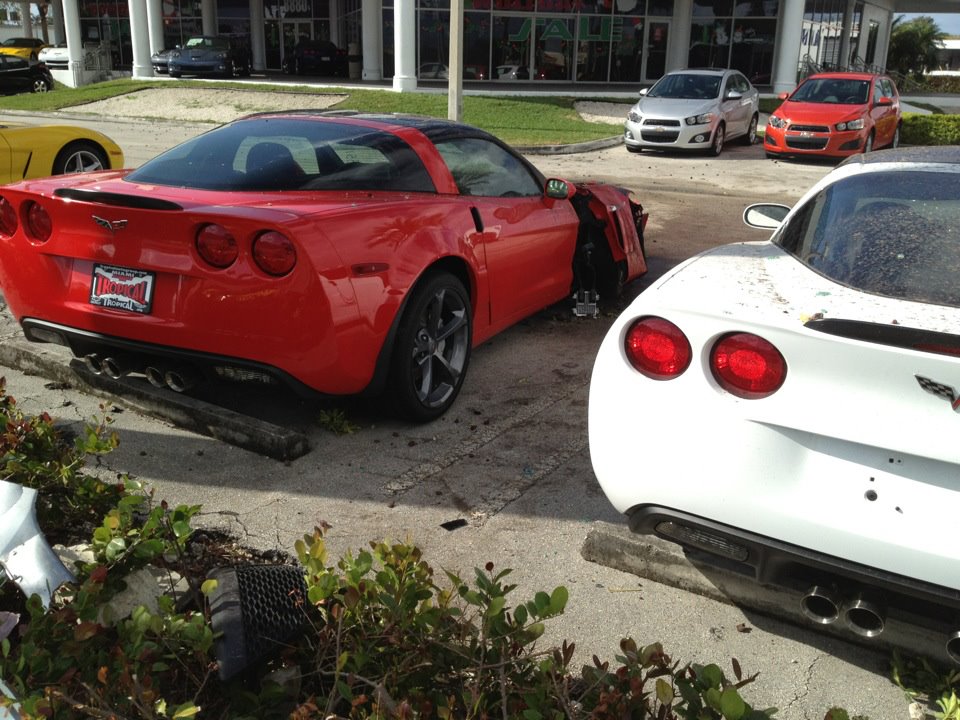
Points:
[[694, 110]]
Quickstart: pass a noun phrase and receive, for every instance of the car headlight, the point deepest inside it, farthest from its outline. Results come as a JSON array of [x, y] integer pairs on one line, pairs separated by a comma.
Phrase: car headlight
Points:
[[702, 119], [634, 116], [777, 122], [175, 54], [850, 125], [221, 56]]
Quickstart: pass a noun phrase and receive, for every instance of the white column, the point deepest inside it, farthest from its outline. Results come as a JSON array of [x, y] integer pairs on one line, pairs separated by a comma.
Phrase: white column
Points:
[[787, 53], [258, 48], [371, 18], [678, 44], [155, 25], [56, 11], [845, 38], [455, 66], [140, 39], [208, 13], [335, 23], [404, 45], [25, 23], [71, 24]]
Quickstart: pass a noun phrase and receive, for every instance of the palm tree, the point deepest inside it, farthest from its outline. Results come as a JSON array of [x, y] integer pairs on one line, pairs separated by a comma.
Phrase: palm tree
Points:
[[914, 45]]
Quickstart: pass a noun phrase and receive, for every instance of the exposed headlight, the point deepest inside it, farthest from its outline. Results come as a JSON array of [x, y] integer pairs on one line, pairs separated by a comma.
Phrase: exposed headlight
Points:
[[175, 54], [634, 116], [221, 56], [777, 122], [850, 125], [704, 119]]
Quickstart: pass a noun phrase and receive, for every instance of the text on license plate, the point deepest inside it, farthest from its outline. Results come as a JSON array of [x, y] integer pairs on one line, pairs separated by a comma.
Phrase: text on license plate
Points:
[[121, 288]]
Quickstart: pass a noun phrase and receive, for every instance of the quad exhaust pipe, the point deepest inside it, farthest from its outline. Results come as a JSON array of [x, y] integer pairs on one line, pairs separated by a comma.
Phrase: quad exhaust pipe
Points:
[[864, 614], [114, 367], [93, 363]]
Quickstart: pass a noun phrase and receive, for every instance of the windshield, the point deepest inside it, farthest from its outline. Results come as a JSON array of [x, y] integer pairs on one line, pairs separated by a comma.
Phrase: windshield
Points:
[[196, 42], [289, 154], [686, 86], [832, 91], [895, 234]]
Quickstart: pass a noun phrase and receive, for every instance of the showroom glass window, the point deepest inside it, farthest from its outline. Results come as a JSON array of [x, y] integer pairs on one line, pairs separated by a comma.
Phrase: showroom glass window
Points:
[[181, 20], [735, 34], [105, 26]]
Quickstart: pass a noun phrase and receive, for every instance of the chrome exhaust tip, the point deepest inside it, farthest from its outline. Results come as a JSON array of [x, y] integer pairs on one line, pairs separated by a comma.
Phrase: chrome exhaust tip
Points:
[[114, 368], [821, 604], [179, 380], [155, 376], [953, 647], [865, 616], [93, 364]]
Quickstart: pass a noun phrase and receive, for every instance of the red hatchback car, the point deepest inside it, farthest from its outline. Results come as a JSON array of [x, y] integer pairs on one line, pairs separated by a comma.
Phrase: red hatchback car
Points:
[[333, 253], [835, 114]]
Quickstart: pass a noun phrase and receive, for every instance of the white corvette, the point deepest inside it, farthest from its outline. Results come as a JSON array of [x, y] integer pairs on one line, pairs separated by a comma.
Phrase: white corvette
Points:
[[791, 407]]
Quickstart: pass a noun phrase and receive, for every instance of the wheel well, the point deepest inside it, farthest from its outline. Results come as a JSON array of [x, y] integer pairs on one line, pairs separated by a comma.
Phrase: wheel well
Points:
[[453, 265], [79, 144]]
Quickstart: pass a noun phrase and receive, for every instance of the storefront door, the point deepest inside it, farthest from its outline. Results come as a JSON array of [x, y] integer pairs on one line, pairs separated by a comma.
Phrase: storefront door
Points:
[[293, 31]]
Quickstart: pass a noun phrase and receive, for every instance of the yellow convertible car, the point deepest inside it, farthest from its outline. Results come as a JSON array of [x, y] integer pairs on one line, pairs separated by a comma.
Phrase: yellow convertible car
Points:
[[42, 150], [27, 48]]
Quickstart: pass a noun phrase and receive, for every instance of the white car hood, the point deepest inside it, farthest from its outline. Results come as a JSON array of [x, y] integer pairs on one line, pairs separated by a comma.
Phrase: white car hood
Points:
[[672, 107]]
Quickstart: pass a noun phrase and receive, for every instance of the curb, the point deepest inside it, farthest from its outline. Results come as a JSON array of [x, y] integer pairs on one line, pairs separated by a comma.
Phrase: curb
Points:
[[571, 149], [183, 411]]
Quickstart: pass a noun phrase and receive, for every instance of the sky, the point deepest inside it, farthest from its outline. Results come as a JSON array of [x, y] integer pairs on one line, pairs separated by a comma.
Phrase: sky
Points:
[[948, 22]]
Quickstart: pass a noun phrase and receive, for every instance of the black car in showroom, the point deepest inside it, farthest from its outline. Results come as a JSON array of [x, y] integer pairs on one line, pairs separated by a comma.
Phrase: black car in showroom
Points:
[[316, 57], [18, 75], [207, 55]]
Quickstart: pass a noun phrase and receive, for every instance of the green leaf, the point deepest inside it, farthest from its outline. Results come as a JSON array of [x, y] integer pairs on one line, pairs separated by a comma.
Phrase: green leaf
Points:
[[664, 692], [520, 615], [115, 548], [187, 710], [345, 692], [496, 606], [713, 675], [732, 706], [558, 600], [181, 529], [209, 586]]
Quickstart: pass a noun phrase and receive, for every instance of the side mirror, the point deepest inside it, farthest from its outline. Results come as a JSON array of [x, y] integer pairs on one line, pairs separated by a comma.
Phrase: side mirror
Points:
[[783, 96], [643, 91], [733, 95], [559, 189], [767, 216], [884, 101]]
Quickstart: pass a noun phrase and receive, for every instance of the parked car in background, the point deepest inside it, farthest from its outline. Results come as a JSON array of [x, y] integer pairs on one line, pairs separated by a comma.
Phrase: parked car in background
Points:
[[332, 254], [513, 72], [55, 56], [694, 110], [316, 57], [433, 71], [835, 114], [797, 400], [28, 48], [161, 59], [38, 151], [18, 75], [204, 55]]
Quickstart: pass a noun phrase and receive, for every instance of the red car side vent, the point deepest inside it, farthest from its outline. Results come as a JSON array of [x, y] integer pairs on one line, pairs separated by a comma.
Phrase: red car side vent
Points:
[[116, 199]]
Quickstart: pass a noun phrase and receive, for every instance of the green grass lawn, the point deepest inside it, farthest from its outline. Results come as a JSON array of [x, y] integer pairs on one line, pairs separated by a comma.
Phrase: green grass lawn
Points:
[[517, 120]]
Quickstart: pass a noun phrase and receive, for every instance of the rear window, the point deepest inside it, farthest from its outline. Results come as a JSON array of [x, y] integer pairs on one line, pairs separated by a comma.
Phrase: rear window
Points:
[[265, 154], [895, 234]]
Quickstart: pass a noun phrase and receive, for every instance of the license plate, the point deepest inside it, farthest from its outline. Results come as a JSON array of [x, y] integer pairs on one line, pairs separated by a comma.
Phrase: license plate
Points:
[[120, 288], [325, 58]]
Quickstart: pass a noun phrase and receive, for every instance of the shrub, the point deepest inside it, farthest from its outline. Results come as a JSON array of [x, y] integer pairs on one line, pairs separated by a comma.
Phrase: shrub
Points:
[[930, 129]]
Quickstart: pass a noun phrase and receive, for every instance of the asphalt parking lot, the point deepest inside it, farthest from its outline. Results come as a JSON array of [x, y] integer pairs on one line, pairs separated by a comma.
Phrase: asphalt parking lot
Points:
[[507, 469]]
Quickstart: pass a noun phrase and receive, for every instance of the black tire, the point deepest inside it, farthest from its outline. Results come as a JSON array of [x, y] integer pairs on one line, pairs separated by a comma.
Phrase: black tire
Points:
[[868, 143], [80, 156], [611, 275], [631, 148], [174, 74], [432, 348], [716, 144], [40, 85], [895, 142], [751, 137]]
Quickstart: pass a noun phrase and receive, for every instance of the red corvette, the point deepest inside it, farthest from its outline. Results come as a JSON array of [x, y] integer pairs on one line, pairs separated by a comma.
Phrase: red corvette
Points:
[[835, 114], [335, 253]]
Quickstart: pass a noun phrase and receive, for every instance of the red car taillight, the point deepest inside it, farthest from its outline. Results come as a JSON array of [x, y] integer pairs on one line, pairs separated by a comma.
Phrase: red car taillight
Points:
[[8, 217], [217, 246], [38, 224], [747, 366], [274, 253], [657, 348]]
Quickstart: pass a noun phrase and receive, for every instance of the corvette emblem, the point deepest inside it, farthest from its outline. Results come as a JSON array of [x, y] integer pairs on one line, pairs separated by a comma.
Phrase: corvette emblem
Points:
[[111, 225], [941, 391]]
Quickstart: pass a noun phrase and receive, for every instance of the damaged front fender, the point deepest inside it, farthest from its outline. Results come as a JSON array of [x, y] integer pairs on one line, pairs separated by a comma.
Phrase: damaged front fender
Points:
[[25, 556]]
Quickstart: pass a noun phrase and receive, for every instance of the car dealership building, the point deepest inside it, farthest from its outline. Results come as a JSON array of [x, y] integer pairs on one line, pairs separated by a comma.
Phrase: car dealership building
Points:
[[536, 42]]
